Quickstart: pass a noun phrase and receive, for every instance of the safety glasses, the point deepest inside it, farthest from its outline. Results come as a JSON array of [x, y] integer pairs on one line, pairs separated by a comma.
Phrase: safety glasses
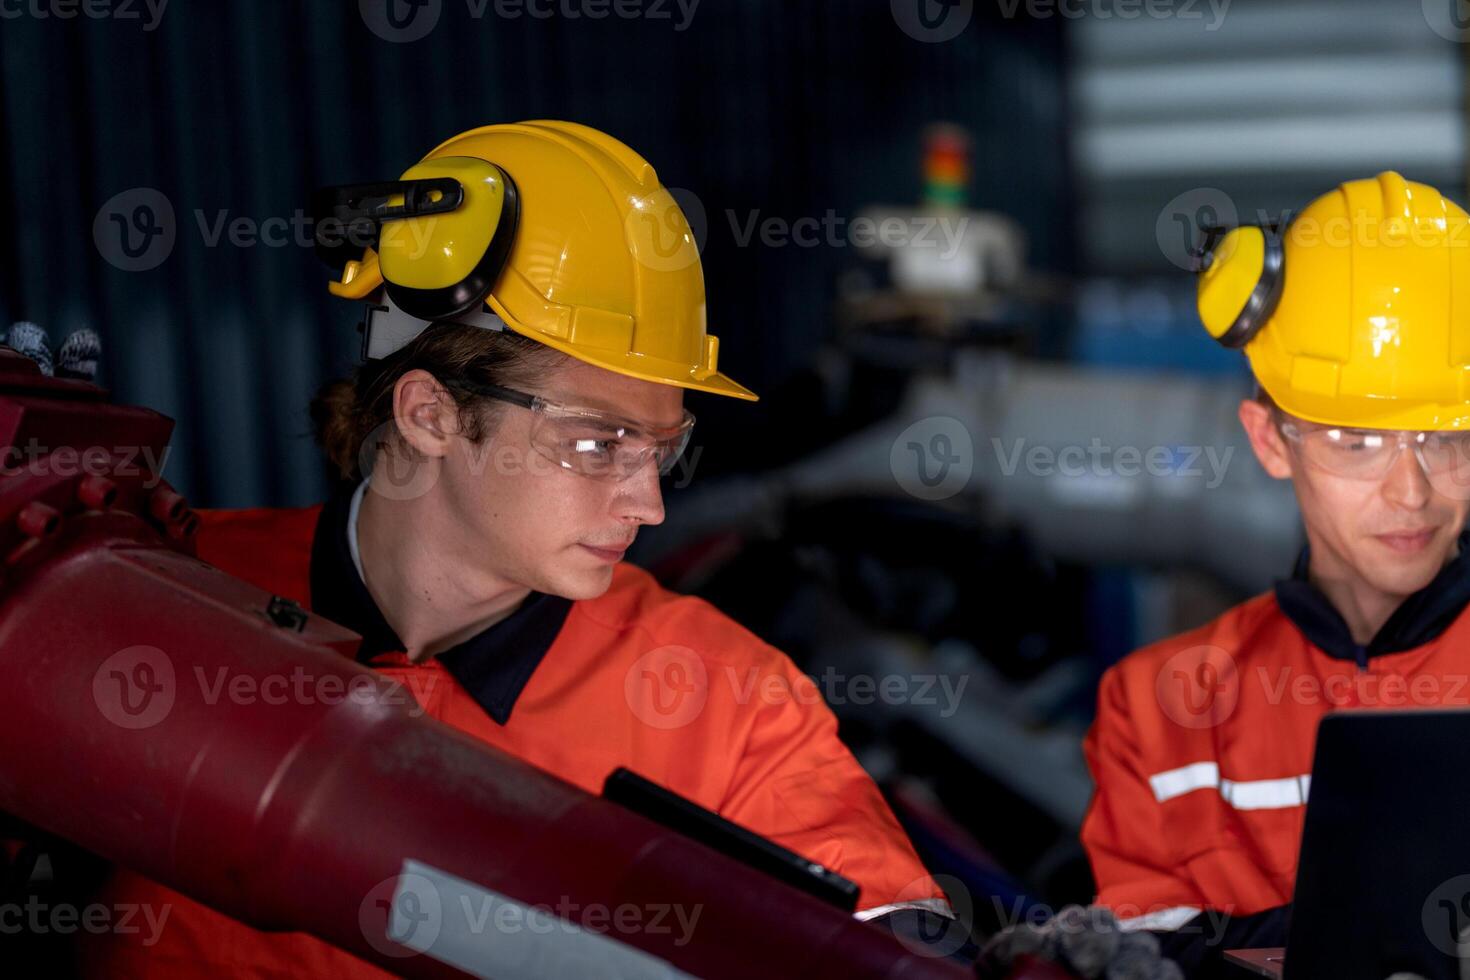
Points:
[[1368, 454], [591, 443]]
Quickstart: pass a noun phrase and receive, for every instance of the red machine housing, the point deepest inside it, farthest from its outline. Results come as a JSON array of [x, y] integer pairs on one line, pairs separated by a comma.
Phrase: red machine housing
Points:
[[292, 814]]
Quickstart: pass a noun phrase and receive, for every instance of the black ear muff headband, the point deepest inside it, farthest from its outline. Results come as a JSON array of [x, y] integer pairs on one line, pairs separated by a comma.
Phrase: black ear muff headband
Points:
[[349, 219]]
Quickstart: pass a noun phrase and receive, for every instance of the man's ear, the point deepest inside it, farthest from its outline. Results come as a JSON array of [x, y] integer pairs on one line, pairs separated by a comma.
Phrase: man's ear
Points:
[[1267, 442], [425, 412]]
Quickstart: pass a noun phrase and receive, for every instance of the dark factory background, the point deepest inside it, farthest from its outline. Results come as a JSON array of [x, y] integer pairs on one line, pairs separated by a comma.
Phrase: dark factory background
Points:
[[1084, 153]]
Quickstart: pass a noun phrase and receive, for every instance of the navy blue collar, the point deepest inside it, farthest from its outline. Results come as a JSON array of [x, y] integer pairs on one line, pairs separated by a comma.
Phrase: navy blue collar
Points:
[[1422, 616], [494, 665]]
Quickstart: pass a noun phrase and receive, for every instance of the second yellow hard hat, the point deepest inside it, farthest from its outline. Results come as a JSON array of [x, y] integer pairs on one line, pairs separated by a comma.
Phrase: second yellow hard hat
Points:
[[1359, 314]]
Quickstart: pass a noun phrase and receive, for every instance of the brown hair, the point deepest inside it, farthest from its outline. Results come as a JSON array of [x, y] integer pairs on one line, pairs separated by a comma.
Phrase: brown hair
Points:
[[348, 412]]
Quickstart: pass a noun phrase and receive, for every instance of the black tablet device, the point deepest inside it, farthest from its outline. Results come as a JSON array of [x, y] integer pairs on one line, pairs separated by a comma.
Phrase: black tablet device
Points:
[[692, 820], [1383, 884]]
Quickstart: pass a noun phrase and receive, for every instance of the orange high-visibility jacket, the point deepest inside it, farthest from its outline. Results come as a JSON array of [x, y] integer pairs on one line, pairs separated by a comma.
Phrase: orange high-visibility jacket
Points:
[[1202, 747], [577, 688]]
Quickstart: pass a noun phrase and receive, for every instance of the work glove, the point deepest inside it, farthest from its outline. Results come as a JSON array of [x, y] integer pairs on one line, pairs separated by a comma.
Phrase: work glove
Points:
[[1086, 942], [77, 358]]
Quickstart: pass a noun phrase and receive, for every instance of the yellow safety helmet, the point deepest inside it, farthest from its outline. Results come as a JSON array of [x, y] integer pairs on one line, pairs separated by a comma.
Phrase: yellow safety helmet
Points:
[[563, 232], [1361, 317]]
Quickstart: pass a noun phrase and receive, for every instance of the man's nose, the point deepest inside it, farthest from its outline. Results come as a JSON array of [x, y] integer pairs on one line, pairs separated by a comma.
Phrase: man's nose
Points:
[[639, 498], [1407, 483]]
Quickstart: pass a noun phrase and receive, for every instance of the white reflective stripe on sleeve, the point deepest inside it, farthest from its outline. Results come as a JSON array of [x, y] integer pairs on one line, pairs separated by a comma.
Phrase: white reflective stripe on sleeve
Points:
[[1187, 779], [1255, 794], [1266, 794], [1164, 920], [938, 905]]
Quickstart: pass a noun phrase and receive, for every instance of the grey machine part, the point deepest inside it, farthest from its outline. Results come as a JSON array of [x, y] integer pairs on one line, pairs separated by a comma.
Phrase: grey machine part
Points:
[[1098, 466]]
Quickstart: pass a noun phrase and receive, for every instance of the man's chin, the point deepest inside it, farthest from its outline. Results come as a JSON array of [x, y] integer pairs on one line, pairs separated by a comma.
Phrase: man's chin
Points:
[[580, 583], [1396, 572]]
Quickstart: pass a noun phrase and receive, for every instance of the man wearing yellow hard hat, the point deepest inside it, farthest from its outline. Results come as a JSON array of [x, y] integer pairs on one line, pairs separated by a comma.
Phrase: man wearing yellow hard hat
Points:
[[1356, 323], [535, 312]]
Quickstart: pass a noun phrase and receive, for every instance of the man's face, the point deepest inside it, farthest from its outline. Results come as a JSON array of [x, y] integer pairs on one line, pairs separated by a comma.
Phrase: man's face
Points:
[[522, 517], [1393, 534]]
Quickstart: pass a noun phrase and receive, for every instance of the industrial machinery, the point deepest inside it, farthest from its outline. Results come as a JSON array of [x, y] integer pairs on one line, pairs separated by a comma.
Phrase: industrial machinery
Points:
[[108, 620]]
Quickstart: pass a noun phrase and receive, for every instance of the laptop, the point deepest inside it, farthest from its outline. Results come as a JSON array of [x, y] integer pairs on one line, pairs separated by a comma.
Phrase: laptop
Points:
[[1383, 883]]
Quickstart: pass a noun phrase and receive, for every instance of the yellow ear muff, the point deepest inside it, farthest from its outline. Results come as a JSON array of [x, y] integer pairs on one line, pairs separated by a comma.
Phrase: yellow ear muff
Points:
[[442, 265], [1240, 284]]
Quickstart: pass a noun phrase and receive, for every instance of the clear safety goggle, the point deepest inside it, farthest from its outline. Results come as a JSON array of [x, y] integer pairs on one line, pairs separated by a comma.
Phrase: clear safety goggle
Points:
[[592, 443], [1369, 454]]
